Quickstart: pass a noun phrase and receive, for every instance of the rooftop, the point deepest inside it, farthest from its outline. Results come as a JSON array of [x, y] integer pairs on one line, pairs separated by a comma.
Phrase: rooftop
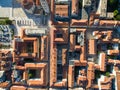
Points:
[[59, 44]]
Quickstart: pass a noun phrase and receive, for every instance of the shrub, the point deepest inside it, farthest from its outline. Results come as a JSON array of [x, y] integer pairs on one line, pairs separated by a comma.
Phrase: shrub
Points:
[[118, 17], [111, 2], [116, 12], [107, 74], [2, 22], [30, 75], [112, 5], [7, 21]]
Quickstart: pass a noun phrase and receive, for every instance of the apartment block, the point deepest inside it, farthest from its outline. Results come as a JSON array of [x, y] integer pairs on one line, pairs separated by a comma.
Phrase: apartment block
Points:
[[59, 45]]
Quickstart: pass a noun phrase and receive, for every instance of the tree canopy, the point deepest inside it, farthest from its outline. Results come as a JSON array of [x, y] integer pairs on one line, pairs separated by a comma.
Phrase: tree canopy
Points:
[[112, 2], [116, 12], [118, 17]]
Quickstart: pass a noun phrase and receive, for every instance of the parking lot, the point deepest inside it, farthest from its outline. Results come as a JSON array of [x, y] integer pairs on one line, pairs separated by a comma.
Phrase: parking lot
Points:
[[5, 35]]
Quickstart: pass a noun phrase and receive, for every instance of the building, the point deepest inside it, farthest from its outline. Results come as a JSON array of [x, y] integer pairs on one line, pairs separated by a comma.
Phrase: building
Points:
[[60, 45]]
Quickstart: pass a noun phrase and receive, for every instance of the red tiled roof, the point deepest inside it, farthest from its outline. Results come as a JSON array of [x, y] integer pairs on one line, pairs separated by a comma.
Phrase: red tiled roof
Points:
[[92, 46], [71, 76], [109, 23], [61, 10], [90, 74], [79, 22], [118, 80], [113, 52], [103, 62], [4, 84], [18, 88]]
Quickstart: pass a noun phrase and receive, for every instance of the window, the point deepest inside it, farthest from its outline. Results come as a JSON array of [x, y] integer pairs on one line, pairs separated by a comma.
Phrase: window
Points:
[[59, 35]]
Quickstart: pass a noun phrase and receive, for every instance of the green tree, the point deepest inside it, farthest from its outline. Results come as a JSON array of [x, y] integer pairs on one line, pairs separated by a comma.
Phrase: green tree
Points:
[[107, 74], [118, 17], [80, 4], [8, 21], [116, 12], [111, 2], [2, 22]]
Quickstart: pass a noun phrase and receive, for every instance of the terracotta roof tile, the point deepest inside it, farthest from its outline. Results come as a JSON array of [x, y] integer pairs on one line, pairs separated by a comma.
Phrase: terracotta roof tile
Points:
[[18, 88], [61, 10], [113, 52], [92, 46], [103, 61], [118, 80]]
